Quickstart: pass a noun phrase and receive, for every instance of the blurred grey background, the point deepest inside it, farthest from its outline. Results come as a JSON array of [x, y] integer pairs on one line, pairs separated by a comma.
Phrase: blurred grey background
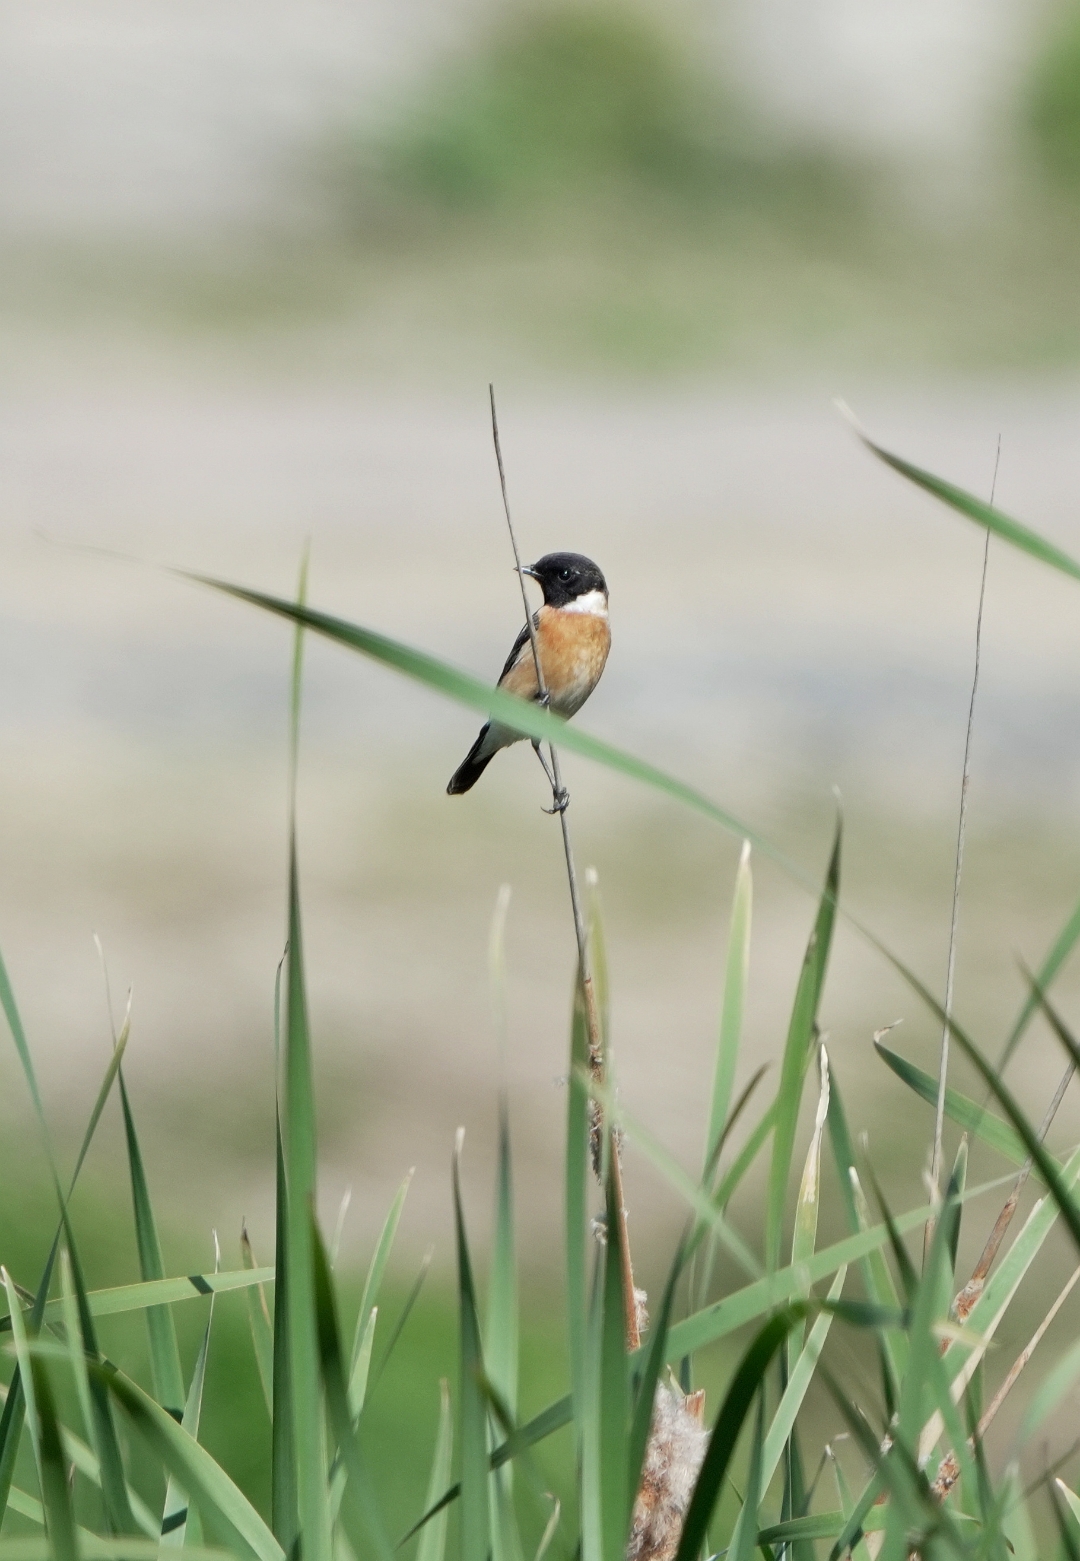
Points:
[[259, 264]]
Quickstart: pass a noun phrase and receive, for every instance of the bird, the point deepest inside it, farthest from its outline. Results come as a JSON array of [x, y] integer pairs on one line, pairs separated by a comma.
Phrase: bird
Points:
[[573, 638]]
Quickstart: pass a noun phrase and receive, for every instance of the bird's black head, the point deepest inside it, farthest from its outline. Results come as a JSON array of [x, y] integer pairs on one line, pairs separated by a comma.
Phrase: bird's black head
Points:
[[565, 577]]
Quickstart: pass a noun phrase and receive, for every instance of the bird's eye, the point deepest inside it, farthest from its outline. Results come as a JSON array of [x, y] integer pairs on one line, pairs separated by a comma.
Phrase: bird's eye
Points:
[[565, 574]]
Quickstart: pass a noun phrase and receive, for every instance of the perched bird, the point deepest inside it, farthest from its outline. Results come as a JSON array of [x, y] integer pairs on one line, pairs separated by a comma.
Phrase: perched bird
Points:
[[573, 639]]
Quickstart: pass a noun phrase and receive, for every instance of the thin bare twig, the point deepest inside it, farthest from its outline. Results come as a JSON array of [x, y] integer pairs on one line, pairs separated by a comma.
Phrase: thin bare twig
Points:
[[592, 1016], [961, 835]]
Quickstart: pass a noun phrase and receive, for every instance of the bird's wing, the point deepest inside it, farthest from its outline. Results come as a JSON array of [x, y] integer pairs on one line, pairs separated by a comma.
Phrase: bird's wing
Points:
[[519, 645]]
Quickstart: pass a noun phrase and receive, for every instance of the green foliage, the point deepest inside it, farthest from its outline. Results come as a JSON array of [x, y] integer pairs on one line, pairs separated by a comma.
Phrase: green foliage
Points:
[[925, 1485], [1054, 98]]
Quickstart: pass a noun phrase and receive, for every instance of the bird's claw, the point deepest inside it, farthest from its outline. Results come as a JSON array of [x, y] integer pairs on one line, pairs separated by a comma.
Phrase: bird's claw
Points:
[[560, 801]]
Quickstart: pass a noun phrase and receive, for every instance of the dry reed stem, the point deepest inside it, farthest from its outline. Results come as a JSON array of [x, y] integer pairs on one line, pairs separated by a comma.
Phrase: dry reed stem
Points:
[[633, 1306], [677, 1440]]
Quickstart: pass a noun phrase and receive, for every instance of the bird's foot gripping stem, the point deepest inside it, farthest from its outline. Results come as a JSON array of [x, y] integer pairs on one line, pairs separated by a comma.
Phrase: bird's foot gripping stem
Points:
[[560, 801]]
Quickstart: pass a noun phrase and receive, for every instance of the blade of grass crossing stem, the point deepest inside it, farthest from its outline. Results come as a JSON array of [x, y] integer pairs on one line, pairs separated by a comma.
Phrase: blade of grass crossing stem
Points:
[[192, 1466], [372, 1286], [298, 1137], [262, 1329], [52, 1467], [359, 1491], [472, 1408], [432, 1546], [797, 1055], [740, 1395], [613, 1418], [164, 1351], [175, 1517], [576, 1193], [736, 970], [960, 1108]]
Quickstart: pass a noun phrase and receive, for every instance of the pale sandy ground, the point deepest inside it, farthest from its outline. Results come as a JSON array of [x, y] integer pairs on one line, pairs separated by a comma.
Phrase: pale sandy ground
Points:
[[787, 616]]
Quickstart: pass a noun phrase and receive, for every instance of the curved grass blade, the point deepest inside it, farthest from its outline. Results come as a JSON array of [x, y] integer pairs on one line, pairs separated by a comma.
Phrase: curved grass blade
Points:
[[472, 1411], [164, 1352], [501, 1339], [744, 1541], [729, 1422], [797, 1050], [284, 1512], [365, 1326], [432, 1546], [1063, 946], [189, 1463]]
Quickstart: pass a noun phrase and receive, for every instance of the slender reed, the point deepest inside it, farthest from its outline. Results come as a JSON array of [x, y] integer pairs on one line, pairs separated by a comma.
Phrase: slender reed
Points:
[[961, 837], [560, 800]]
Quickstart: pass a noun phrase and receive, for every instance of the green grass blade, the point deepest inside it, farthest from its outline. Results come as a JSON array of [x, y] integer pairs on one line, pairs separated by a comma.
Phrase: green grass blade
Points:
[[359, 1491], [1063, 946], [361, 1365], [798, 1383], [797, 1055], [744, 1540], [374, 1278], [432, 1546], [164, 1351], [729, 1422], [501, 1338], [472, 1409], [262, 1329], [194, 1468], [284, 1511], [175, 1518], [298, 1143], [55, 1494], [157, 1292], [1012, 531], [736, 971], [576, 1194], [73, 1338], [22, 1355], [961, 1109]]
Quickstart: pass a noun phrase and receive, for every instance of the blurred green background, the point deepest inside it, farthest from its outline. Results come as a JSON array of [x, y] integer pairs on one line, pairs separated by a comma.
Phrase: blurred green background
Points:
[[260, 262]]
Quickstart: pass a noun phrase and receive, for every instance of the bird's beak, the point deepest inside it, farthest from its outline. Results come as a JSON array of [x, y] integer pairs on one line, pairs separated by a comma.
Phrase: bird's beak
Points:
[[527, 569]]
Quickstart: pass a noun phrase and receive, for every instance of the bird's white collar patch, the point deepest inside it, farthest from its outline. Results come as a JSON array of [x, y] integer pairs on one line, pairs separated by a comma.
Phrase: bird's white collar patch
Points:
[[593, 602]]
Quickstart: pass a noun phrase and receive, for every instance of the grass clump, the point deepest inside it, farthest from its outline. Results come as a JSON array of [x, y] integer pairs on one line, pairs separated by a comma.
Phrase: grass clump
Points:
[[672, 1446]]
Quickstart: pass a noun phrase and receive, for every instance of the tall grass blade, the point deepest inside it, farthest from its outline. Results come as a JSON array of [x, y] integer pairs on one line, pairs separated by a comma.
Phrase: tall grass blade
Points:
[[22, 1356], [193, 1467], [359, 1491], [797, 1055], [164, 1351], [432, 1546], [472, 1408], [729, 1422], [372, 1286], [158, 1292], [284, 1501], [55, 1494], [744, 1540], [501, 1338], [736, 971], [176, 1519], [262, 1329], [298, 1143]]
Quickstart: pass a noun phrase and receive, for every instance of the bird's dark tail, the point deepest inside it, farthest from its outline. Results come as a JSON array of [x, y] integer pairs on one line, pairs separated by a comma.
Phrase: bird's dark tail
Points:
[[471, 767]]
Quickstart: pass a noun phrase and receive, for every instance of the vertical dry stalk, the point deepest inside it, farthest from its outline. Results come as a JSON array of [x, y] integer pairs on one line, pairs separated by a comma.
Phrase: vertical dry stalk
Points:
[[560, 801], [961, 836]]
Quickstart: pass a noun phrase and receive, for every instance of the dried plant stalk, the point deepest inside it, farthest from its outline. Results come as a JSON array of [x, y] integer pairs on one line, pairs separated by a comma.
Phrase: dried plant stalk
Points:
[[673, 1458]]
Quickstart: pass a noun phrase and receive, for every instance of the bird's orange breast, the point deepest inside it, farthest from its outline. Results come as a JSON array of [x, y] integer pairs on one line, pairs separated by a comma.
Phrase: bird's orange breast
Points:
[[573, 650]]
